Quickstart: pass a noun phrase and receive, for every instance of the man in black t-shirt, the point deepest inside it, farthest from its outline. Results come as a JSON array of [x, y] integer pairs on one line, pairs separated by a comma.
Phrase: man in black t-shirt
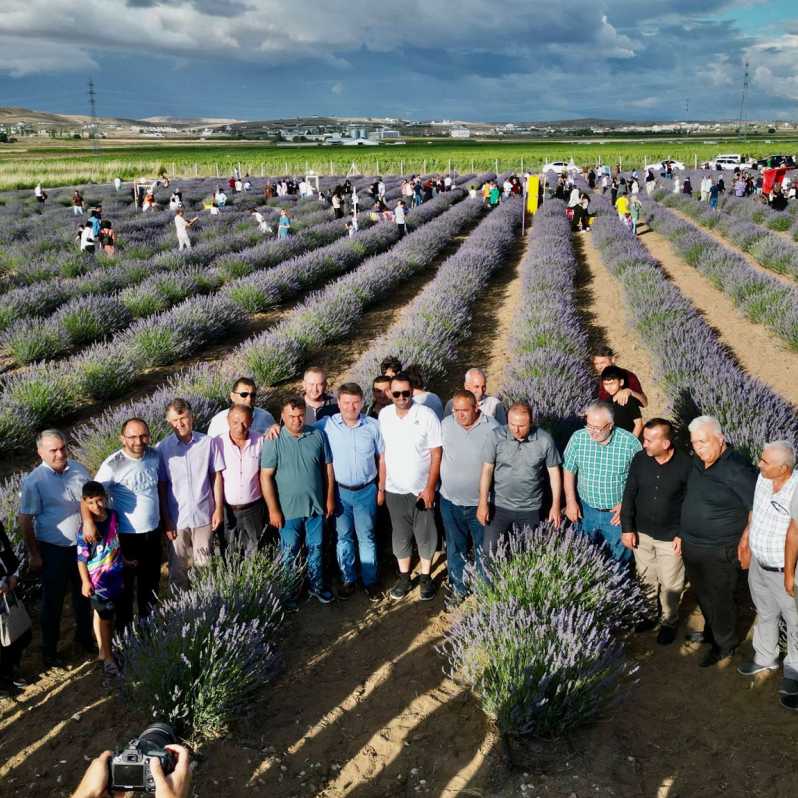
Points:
[[627, 416]]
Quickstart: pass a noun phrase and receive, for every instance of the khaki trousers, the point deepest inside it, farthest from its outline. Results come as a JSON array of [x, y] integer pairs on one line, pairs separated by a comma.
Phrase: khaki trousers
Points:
[[192, 546], [662, 571]]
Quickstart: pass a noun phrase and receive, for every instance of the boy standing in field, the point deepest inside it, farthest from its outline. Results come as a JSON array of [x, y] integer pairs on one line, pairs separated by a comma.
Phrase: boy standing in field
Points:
[[101, 567], [627, 416]]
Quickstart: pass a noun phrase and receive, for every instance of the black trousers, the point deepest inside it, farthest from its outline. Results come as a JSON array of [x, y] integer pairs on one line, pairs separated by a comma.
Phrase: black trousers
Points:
[[244, 529], [59, 573], [143, 579], [713, 572], [502, 520]]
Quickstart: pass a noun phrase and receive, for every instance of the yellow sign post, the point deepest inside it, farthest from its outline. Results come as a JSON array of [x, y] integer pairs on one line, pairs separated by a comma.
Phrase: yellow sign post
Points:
[[532, 185]]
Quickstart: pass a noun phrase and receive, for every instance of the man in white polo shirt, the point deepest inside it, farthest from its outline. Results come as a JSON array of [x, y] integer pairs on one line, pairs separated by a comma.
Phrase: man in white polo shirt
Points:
[[413, 449], [244, 392]]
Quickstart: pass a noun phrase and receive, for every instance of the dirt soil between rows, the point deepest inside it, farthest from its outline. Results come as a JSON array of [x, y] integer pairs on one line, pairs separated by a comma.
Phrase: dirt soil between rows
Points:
[[363, 706]]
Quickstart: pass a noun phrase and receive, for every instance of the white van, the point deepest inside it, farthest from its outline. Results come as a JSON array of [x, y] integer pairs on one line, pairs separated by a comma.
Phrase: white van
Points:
[[726, 161]]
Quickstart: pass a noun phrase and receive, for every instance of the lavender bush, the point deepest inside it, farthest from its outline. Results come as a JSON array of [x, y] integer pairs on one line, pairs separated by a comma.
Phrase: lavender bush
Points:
[[539, 644], [199, 660]]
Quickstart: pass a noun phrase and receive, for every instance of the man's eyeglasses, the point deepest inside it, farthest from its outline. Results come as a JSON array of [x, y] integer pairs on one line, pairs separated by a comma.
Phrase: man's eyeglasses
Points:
[[245, 394], [403, 394], [594, 428], [780, 508]]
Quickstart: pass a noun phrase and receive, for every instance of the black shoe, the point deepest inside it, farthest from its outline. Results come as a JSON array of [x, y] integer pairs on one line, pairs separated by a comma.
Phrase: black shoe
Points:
[[347, 590], [401, 588], [373, 593], [427, 589], [716, 658], [666, 635], [696, 637], [8, 689], [645, 626], [789, 702], [321, 595]]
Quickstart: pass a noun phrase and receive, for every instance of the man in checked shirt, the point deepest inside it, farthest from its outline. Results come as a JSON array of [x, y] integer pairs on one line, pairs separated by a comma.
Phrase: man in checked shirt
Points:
[[765, 537]]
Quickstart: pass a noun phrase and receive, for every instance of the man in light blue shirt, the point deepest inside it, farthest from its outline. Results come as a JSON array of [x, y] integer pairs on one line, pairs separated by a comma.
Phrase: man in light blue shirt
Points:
[[357, 451], [49, 517], [132, 476]]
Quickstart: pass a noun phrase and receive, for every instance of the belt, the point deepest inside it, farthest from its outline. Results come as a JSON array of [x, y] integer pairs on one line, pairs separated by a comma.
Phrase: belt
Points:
[[770, 568], [356, 487], [239, 507]]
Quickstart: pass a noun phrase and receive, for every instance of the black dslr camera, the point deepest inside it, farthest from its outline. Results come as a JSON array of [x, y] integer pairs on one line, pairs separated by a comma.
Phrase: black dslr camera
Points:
[[130, 768]]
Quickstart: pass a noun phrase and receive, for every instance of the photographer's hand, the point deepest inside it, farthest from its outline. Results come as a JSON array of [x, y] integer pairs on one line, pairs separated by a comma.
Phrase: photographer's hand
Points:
[[95, 780], [178, 783]]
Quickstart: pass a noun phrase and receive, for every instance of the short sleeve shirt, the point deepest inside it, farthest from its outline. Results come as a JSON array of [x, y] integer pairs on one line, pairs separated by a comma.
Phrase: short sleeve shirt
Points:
[[132, 485], [408, 444], [104, 559], [461, 464], [632, 383], [189, 470], [519, 467], [299, 463], [53, 499], [354, 449], [601, 469]]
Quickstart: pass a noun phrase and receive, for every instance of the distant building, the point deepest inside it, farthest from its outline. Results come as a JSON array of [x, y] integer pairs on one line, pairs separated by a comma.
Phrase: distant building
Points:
[[460, 133]]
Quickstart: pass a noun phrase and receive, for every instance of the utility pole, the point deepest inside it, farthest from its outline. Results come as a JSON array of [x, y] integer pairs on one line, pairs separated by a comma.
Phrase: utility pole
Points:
[[746, 80], [93, 108]]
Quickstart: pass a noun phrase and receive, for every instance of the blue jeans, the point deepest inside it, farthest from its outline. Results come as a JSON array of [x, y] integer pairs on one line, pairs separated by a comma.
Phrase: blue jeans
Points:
[[460, 524], [355, 517], [291, 534], [596, 525]]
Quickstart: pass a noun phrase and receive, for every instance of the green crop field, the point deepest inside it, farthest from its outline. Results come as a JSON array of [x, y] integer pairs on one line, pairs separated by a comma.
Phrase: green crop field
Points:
[[24, 163]]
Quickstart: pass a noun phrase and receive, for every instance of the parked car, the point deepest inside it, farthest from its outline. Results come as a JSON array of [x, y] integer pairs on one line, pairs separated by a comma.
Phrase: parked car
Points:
[[774, 161], [560, 167], [676, 166]]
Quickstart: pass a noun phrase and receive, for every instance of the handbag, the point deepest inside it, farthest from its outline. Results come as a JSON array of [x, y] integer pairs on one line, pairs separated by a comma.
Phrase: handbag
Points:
[[14, 619]]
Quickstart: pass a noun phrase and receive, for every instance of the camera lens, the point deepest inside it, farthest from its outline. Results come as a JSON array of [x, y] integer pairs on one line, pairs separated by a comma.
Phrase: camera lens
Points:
[[155, 737]]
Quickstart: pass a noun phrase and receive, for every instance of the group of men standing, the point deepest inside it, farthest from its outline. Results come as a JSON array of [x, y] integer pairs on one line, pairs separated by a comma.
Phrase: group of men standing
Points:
[[472, 469]]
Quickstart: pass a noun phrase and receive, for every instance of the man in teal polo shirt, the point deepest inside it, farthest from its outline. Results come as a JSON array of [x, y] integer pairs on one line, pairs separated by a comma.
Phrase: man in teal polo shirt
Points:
[[595, 465], [298, 484]]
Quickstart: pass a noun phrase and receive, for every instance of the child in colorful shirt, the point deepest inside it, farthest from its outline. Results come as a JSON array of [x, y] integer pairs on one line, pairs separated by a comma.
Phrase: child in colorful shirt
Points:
[[101, 567]]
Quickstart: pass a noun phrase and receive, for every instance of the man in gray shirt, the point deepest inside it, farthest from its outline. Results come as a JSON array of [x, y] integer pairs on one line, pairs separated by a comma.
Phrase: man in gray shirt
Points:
[[512, 464], [465, 434]]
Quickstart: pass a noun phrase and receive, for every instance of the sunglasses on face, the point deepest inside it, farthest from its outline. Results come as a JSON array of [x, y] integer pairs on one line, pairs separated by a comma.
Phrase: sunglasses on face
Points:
[[245, 394], [403, 394]]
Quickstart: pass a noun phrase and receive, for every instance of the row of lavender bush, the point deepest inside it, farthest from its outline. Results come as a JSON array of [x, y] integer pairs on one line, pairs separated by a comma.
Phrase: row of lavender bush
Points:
[[762, 298], [548, 361], [770, 249], [439, 317], [697, 371], [46, 392]]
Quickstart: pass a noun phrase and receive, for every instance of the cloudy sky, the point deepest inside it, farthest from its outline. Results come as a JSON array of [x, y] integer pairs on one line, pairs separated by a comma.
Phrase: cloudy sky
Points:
[[494, 60]]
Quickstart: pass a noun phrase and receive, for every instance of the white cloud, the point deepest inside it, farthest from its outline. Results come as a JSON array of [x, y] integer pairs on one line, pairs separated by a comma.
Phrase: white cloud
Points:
[[35, 56]]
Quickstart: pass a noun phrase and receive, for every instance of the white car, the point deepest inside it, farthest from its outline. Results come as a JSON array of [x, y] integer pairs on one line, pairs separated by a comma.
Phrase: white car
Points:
[[561, 167], [676, 166]]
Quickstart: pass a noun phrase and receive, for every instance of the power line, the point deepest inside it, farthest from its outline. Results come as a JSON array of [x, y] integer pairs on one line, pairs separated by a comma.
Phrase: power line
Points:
[[93, 128], [746, 83]]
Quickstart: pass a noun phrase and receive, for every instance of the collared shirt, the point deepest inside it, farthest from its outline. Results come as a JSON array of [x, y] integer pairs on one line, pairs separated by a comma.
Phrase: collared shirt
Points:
[[354, 449], [518, 473], [300, 465], [489, 405], [190, 469], [132, 485], [408, 441], [241, 471], [652, 499], [329, 407], [719, 498], [770, 519], [262, 420], [461, 464], [53, 499], [601, 468]]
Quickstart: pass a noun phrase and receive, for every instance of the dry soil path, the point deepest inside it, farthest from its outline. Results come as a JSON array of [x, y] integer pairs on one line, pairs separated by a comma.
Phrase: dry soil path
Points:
[[758, 350]]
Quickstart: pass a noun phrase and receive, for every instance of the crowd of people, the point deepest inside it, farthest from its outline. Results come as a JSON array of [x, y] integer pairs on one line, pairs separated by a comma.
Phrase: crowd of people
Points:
[[400, 475]]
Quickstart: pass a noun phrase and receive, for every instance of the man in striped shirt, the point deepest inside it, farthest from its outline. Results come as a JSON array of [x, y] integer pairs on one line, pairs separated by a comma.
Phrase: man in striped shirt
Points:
[[596, 464]]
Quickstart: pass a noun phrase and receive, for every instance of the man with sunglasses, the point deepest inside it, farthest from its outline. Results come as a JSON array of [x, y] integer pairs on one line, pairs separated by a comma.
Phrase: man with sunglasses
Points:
[[596, 464], [765, 536], [244, 392], [407, 480]]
